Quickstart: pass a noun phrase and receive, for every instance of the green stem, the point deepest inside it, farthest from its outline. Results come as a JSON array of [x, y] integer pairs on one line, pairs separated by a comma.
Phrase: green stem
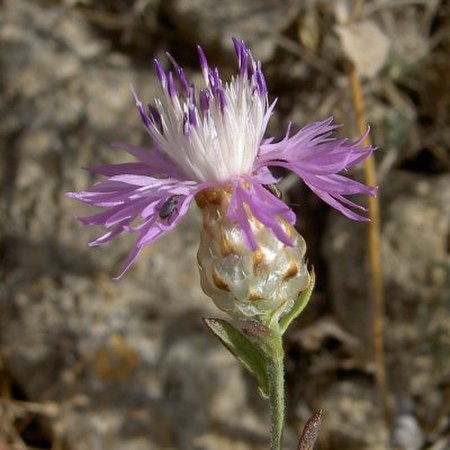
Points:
[[275, 366]]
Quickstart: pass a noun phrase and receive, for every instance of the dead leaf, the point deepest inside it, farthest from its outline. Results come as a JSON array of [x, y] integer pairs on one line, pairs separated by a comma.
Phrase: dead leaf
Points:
[[365, 45]]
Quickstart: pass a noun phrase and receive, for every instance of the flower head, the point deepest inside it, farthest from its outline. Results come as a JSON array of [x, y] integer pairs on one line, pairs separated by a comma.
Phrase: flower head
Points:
[[213, 139]]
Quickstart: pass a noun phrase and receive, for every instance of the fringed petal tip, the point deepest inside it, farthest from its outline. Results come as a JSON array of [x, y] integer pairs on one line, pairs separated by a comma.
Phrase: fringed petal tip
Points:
[[82, 219], [128, 263]]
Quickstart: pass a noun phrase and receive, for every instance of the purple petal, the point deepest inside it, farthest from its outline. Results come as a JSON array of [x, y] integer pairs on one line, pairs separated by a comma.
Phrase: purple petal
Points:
[[266, 208], [348, 202], [128, 211], [135, 209], [97, 219], [154, 229], [156, 162], [125, 168], [337, 184], [236, 211], [317, 158], [136, 180], [271, 204], [109, 235]]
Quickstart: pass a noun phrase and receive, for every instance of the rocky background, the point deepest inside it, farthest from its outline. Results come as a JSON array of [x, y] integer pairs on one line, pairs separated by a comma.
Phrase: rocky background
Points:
[[87, 363]]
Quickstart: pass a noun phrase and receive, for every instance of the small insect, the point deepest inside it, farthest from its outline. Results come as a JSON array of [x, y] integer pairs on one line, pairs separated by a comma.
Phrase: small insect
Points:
[[169, 206], [273, 189]]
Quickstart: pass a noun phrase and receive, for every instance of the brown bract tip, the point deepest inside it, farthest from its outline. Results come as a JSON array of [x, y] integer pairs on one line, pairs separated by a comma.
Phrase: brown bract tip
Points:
[[218, 282]]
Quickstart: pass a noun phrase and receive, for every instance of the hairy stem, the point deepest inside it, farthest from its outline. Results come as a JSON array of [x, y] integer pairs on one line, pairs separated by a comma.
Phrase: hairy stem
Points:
[[275, 365]]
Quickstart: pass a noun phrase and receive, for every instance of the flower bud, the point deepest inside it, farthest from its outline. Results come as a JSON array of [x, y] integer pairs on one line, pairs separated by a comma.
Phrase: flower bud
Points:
[[242, 282]]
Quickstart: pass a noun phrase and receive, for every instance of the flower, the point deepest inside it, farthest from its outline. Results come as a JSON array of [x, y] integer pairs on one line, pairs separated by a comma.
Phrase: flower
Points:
[[215, 140]]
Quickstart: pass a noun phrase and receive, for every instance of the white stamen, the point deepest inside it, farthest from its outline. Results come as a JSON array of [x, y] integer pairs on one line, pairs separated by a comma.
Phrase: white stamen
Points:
[[225, 142]]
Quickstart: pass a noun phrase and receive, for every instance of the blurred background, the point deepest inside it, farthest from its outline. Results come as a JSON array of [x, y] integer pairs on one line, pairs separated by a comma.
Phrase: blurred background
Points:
[[87, 363]]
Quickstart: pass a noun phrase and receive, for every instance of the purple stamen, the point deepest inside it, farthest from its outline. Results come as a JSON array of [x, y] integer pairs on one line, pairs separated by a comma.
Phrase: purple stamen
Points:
[[145, 119], [203, 63], [180, 74], [222, 100], [214, 81], [192, 115], [216, 77], [254, 65], [183, 81], [171, 85], [241, 53], [160, 72], [192, 99], [156, 117], [243, 67], [185, 124], [204, 100], [260, 80], [237, 46]]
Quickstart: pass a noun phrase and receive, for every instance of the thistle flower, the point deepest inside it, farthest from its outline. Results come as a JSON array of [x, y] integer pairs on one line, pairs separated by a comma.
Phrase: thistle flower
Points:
[[213, 141]]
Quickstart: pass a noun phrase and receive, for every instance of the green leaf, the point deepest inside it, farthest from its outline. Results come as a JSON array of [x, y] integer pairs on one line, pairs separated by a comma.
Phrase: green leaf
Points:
[[299, 304], [251, 357]]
